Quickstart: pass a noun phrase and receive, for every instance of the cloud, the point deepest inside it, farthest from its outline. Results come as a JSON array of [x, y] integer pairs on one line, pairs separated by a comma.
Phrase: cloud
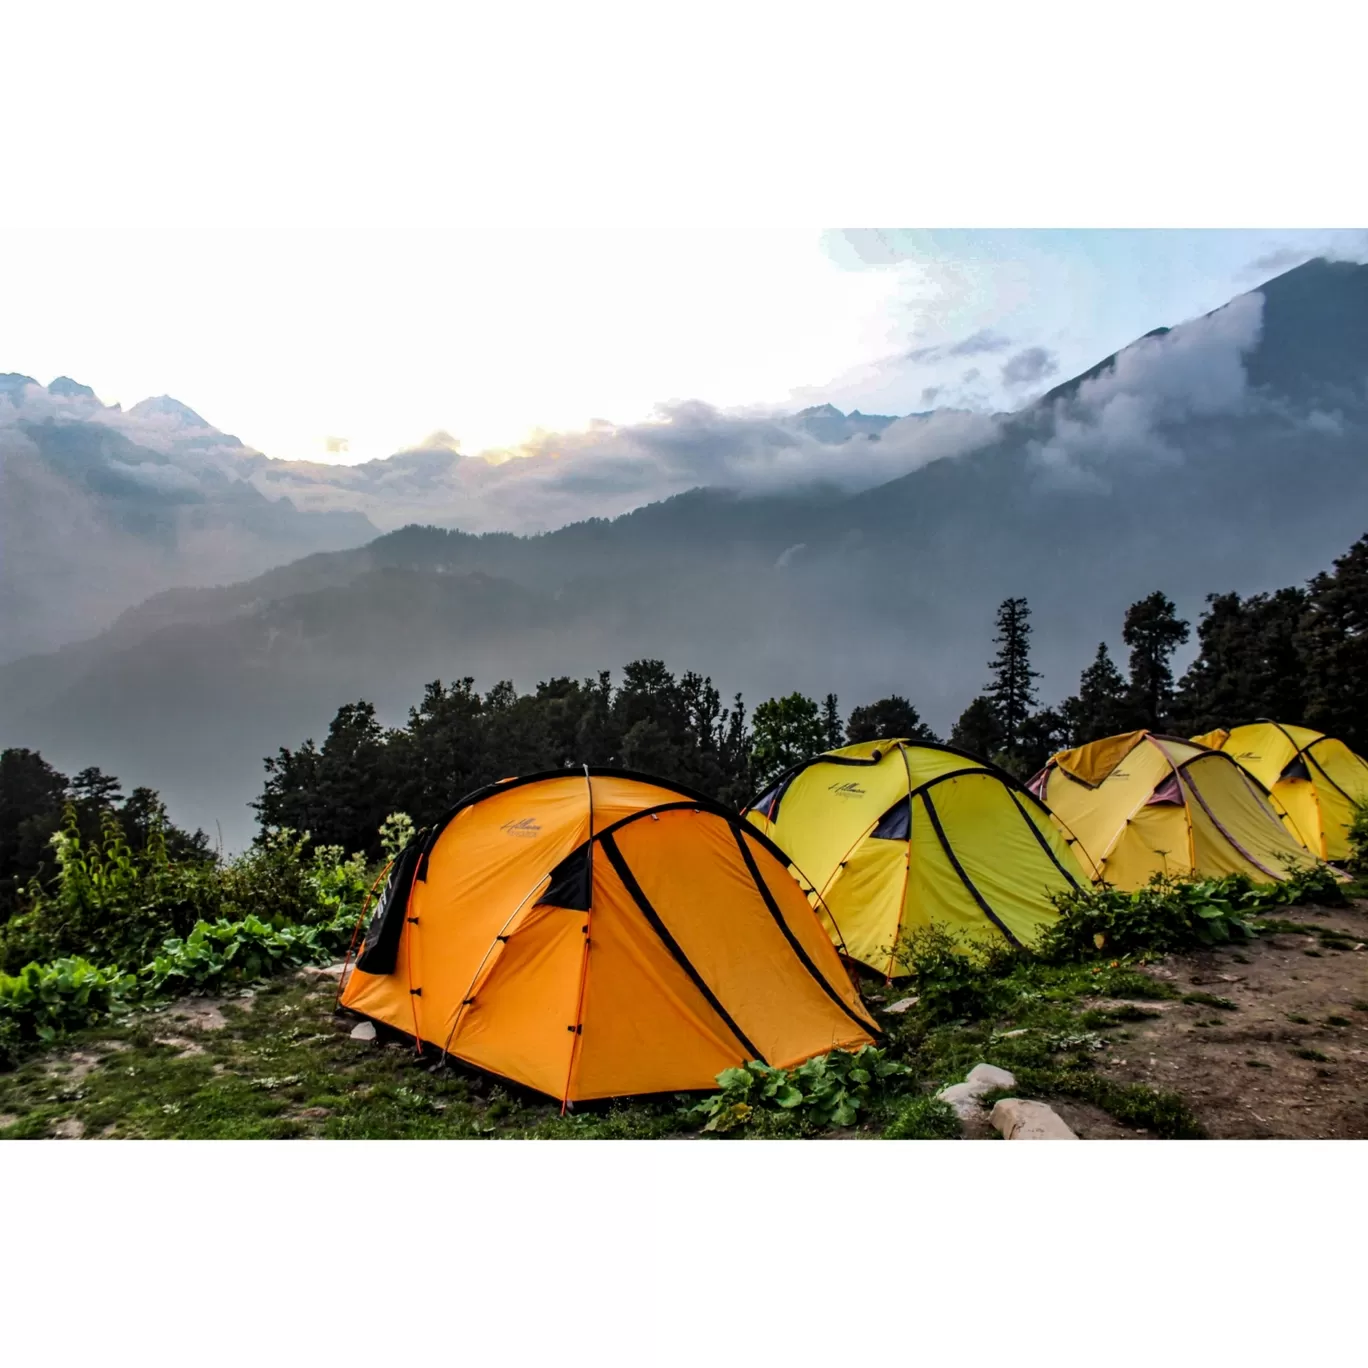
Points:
[[928, 395], [970, 376], [976, 344], [787, 554], [336, 446], [1195, 370], [985, 340], [1028, 366], [1278, 260]]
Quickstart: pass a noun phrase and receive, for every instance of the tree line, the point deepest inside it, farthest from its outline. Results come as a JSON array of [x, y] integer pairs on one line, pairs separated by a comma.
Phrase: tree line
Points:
[[1298, 654]]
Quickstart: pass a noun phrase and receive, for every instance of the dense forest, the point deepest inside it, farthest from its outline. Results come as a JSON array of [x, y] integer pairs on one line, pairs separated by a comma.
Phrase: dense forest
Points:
[[1299, 654]]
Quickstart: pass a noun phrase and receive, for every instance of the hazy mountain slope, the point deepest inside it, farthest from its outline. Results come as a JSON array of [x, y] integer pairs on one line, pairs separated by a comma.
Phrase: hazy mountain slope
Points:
[[1225, 453], [100, 508]]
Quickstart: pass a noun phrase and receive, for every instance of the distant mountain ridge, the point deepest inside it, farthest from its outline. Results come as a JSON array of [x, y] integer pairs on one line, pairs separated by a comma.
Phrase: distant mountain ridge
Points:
[[1229, 452], [100, 508]]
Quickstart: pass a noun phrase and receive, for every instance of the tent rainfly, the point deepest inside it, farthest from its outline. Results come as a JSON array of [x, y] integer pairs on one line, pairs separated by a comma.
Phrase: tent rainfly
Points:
[[892, 836], [1141, 804], [1314, 779], [596, 934]]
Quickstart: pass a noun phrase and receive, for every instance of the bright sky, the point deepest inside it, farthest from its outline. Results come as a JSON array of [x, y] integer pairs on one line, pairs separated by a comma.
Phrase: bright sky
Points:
[[312, 225]]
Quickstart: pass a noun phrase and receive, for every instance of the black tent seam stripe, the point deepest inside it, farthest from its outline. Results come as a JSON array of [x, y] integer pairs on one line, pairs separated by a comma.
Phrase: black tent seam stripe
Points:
[[638, 895], [1044, 844], [959, 869], [758, 879]]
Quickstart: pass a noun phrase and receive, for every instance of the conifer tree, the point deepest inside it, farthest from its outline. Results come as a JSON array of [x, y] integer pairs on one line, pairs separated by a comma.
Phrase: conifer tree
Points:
[[889, 717], [1101, 706], [1153, 630], [831, 723], [1012, 690]]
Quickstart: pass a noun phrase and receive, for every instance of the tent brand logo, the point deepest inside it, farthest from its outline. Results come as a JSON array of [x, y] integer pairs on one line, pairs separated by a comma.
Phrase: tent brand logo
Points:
[[846, 790], [525, 826]]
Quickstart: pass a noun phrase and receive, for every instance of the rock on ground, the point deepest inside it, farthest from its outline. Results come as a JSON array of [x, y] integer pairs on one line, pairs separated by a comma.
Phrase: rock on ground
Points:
[[963, 1098], [1021, 1120], [364, 1031]]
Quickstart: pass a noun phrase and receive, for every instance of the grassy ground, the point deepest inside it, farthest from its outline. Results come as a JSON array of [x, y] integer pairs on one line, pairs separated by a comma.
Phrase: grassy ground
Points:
[[1268, 1039]]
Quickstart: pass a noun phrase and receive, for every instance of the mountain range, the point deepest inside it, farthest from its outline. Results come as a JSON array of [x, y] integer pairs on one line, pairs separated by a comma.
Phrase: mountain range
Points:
[[1225, 452]]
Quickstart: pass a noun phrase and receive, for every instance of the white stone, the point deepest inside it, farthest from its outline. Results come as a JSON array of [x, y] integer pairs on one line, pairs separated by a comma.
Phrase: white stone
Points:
[[1021, 1120], [986, 1077], [902, 1005], [963, 1098], [365, 1031]]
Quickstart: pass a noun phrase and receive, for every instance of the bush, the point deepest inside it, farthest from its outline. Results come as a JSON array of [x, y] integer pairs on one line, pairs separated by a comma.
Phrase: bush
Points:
[[191, 927], [1171, 914], [42, 1001], [1357, 864], [955, 977], [108, 901], [280, 883], [223, 952], [827, 1092], [924, 1118]]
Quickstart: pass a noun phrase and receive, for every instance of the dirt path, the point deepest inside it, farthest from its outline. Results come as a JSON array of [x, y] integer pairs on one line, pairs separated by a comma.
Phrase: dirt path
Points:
[[1290, 1059]]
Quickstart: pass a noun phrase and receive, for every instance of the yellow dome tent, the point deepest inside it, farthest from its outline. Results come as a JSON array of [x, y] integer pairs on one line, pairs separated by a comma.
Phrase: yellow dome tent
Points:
[[598, 934], [1314, 779], [891, 836], [1142, 804]]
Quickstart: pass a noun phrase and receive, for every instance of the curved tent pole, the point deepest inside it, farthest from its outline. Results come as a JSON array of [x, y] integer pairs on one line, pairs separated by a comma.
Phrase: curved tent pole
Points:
[[356, 931], [907, 869], [578, 1024], [479, 969]]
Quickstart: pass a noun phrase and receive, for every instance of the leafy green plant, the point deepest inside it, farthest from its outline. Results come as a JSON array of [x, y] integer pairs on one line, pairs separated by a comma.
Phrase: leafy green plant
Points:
[[221, 952], [108, 900], [1357, 863], [42, 1001], [827, 1092], [396, 831], [952, 976], [1171, 914], [924, 1118]]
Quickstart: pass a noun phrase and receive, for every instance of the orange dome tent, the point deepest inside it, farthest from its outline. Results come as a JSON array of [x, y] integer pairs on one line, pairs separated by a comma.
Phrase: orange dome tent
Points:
[[597, 934]]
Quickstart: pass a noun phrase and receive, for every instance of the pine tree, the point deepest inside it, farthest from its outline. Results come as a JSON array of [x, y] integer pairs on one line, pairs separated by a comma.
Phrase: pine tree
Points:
[[831, 723], [1012, 692], [1249, 665], [978, 730], [1334, 646], [1153, 631], [889, 717], [1101, 706]]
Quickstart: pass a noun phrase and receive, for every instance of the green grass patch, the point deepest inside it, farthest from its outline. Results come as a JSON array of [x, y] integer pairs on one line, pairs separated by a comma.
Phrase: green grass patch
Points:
[[1164, 1114], [924, 1118], [1338, 1021], [1315, 1055]]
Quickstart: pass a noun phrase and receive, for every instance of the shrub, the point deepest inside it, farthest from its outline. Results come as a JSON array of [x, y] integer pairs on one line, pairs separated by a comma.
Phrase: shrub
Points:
[[955, 977], [827, 1092], [42, 1001], [924, 1118], [1357, 863], [108, 901], [279, 882], [1167, 915]]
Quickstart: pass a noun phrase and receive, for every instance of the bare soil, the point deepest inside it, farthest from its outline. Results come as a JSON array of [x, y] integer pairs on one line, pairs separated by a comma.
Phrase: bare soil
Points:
[[1290, 1061]]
